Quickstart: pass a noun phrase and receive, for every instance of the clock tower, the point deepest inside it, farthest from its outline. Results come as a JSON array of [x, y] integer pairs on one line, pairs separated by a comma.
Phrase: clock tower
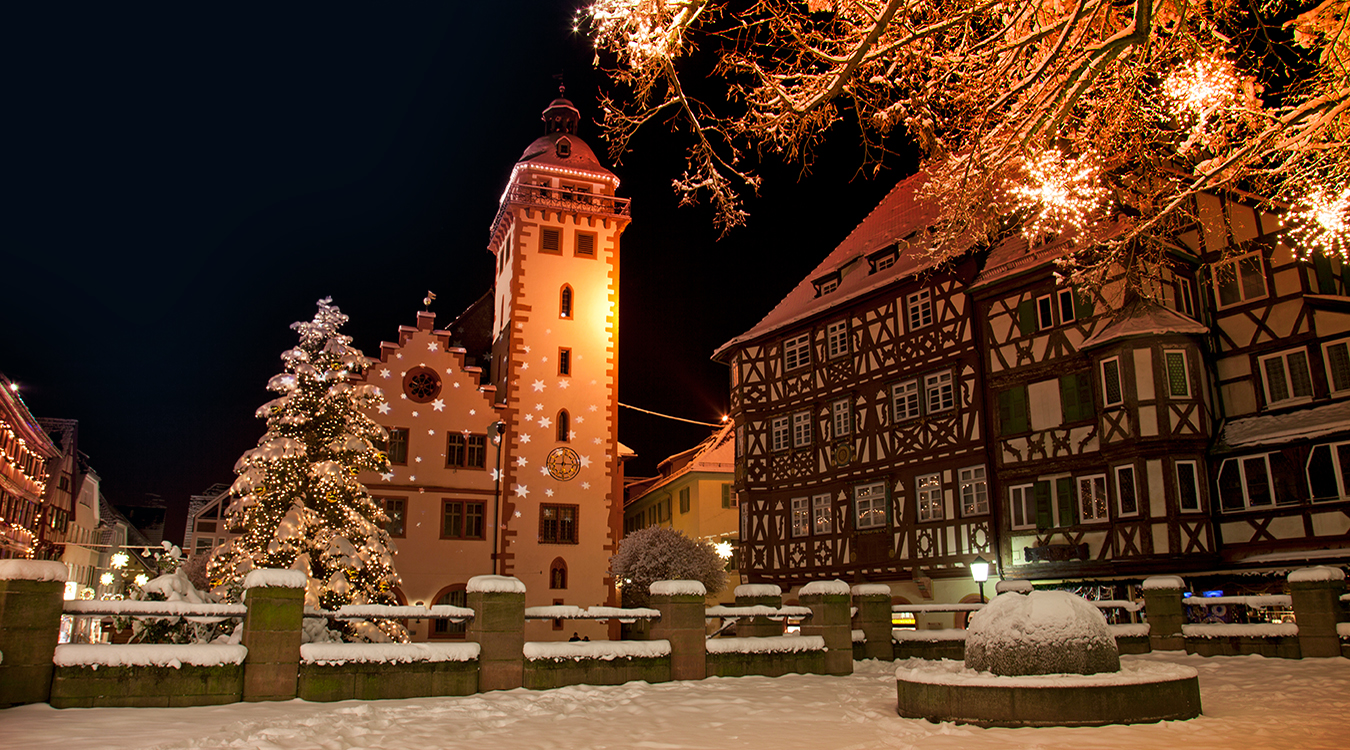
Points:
[[555, 240]]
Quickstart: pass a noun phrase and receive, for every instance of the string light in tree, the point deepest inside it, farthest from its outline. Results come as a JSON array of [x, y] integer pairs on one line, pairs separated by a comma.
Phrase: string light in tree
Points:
[[1201, 87], [1060, 193], [1320, 224]]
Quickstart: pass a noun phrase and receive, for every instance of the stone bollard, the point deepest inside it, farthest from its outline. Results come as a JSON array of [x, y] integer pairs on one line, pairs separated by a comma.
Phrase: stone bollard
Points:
[[30, 622], [276, 613], [498, 604], [829, 603], [759, 595], [1162, 607], [681, 604], [1316, 592], [873, 601]]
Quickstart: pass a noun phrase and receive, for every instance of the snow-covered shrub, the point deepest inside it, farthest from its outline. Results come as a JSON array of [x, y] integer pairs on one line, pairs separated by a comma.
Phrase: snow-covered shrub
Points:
[[1044, 632], [657, 553], [176, 587]]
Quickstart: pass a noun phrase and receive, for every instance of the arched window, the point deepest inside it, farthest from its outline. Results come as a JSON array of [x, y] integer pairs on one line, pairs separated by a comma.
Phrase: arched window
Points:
[[557, 574], [564, 426], [456, 596], [565, 302]]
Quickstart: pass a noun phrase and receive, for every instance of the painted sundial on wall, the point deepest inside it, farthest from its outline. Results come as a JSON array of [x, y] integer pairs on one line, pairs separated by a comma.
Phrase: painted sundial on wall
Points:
[[563, 464]]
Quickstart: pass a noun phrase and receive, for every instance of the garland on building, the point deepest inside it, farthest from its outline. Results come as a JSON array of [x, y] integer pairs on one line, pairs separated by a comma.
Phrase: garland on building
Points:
[[297, 501]]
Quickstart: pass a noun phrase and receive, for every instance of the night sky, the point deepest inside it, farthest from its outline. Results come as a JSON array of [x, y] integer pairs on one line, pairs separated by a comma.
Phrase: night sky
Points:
[[186, 181]]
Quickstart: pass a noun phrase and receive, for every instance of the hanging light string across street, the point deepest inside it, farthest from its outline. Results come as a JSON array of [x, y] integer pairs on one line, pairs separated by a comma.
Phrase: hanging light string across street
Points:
[[677, 419]]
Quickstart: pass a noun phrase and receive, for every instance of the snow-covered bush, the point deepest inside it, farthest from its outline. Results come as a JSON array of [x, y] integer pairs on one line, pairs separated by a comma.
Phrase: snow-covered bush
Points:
[[1044, 632], [176, 587], [657, 553]]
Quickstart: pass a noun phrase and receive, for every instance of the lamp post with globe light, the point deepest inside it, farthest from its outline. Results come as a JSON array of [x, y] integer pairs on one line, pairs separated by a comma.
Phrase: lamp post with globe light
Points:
[[979, 570]]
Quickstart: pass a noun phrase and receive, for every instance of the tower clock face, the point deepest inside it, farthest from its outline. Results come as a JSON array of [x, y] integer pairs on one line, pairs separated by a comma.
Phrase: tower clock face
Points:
[[563, 464]]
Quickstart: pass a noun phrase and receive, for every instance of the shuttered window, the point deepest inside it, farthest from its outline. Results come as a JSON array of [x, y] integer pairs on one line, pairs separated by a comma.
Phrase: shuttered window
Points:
[[550, 241], [1075, 397], [1012, 411]]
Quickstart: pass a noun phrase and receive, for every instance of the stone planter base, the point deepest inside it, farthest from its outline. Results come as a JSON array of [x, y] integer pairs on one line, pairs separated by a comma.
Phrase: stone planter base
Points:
[[1135, 695]]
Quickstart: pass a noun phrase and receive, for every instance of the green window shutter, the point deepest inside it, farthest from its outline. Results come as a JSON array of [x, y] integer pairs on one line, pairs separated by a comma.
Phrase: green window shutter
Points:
[[1012, 410], [1064, 493], [1083, 306], [1043, 510], [1326, 281], [1026, 317], [1075, 396]]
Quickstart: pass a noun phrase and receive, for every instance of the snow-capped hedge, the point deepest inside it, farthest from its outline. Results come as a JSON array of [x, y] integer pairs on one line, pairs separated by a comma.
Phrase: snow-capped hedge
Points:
[[602, 650], [33, 570], [496, 585], [270, 578], [147, 655], [1044, 632], [758, 589], [678, 588], [1317, 573], [386, 653], [829, 588], [780, 644], [1240, 630]]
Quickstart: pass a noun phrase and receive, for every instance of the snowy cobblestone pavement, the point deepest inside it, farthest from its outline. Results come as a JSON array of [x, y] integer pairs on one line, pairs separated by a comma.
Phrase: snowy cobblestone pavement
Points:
[[1249, 702]]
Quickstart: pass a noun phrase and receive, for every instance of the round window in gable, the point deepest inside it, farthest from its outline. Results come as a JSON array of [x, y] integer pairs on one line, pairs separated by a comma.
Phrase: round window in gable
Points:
[[421, 384]]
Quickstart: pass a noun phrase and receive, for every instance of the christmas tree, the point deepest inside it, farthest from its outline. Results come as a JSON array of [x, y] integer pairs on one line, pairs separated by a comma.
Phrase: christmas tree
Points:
[[297, 501]]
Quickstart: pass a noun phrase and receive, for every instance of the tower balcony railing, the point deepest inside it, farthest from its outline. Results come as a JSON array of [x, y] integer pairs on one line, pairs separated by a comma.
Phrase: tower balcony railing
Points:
[[564, 199]]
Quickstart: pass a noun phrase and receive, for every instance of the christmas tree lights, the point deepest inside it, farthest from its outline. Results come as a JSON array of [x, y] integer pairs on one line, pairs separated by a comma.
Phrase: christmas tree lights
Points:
[[296, 501]]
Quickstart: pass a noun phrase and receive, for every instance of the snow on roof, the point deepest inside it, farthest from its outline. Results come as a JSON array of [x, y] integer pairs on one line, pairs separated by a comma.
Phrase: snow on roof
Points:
[[900, 219], [1280, 428], [714, 454], [1144, 318], [1014, 255]]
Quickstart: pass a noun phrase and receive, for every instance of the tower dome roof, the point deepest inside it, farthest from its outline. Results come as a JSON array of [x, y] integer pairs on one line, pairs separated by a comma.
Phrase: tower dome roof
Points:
[[560, 146]]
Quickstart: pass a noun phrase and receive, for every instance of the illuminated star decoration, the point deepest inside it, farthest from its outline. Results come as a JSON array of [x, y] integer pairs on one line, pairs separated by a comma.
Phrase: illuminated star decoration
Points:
[[1319, 224], [1060, 194]]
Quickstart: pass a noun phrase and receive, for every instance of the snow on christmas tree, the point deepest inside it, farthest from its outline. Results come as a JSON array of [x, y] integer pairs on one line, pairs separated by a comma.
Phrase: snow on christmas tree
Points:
[[297, 500]]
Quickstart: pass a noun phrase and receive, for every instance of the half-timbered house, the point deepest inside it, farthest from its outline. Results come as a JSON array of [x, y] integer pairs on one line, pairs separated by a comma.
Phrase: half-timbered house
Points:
[[860, 450]]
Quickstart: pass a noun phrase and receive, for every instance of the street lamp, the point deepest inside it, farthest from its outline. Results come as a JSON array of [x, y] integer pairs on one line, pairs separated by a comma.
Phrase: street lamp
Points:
[[979, 570]]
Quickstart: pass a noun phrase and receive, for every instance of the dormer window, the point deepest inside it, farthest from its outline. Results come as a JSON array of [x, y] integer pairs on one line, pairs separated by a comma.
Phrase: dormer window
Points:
[[827, 283], [563, 148], [883, 259]]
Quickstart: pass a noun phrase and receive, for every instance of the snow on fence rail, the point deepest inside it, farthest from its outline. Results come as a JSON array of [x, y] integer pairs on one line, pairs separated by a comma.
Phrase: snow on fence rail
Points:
[[393, 612], [602, 650], [149, 609], [775, 644], [956, 607], [1260, 600], [757, 610], [572, 612], [935, 634], [1124, 604], [1240, 630], [147, 655], [386, 653]]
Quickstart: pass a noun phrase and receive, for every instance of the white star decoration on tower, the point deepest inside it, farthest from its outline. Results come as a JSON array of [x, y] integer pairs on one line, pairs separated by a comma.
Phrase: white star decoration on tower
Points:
[[526, 349], [522, 461], [585, 485], [524, 365], [438, 404], [496, 474], [384, 372], [544, 422], [563, 384], [543, 470], [387, 476], [538, 385], [549, 493], [538, 407], [383, 408], [525, 436], [522, 491], [432, 347], [593, 407], [585, 461], [579, 419]]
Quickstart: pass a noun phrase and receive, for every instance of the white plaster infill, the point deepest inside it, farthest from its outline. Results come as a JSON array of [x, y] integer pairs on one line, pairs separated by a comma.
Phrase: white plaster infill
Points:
[[495, 585], [33, 570], [955, 673]]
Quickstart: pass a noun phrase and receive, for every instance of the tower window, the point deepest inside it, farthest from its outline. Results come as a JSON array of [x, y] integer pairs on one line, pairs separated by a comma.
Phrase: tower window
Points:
[[564, 148], [586, 245], [550, 240], [565, 302], [564, 361], [564, 424]]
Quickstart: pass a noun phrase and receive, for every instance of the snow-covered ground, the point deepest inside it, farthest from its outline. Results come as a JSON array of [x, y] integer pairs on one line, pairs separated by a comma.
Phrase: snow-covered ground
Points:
[[1249, 702]]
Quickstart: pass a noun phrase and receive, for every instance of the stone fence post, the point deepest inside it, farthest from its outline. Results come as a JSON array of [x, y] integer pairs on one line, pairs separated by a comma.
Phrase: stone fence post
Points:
[[498, 604], [1162, 607], [829, 603], [681, 604], [272, 626], [30, 622], [762, 595], [873, 601], [1316, 592]]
